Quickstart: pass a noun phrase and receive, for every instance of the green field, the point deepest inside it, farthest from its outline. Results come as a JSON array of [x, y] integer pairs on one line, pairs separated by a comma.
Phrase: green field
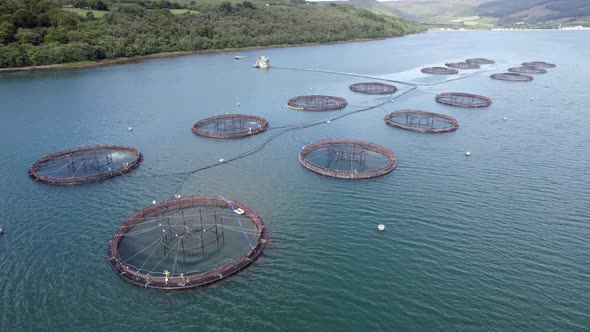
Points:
[[83, 12], [183, 11]]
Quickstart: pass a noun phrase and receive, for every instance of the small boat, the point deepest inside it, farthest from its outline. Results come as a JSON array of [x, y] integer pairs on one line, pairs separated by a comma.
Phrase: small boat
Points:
[[239, 57], [261, 62]]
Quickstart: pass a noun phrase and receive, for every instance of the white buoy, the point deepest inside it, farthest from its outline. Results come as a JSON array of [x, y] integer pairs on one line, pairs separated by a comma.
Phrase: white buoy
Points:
[[238, 104], [310, 89], [381, 227], [1, 231], [130, 128], [468, 153], [532, 99], [221, 160], [154, 202], [504, 118], [328, 122]]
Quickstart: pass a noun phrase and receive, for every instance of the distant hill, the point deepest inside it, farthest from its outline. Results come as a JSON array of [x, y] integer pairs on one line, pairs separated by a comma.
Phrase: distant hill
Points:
[[535, 11], [486, 13]]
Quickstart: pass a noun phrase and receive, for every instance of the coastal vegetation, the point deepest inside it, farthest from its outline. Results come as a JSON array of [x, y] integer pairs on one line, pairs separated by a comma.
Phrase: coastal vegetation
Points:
[[43, 32]]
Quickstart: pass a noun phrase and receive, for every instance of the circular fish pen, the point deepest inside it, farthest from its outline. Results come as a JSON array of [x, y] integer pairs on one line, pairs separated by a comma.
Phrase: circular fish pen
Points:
[[513, 77], [317, 103], [230, 126], [85, 165], [347, 159], [462, 65], [480, 61], [527, 70], [421, 121], [460, 99], [186, 243], [439, 71], [373, 88], [538, 64]]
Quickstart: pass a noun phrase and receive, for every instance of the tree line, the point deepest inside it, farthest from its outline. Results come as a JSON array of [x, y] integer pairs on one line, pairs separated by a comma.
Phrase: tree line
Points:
[[42, 32]]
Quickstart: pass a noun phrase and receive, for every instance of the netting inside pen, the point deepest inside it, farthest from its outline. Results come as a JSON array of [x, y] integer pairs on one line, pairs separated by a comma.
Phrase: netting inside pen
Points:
[[85, 165], [373, 88], [347, 159], [439, 70], [317, 103], [462, 65], [527, 70], [538, 64], [460, 99], [186, 243], [421, 121], [230, 126], [481, 61], [514, 77]]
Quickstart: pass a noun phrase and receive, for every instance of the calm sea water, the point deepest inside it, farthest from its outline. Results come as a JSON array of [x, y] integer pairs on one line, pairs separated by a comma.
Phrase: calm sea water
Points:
[[496, 241]]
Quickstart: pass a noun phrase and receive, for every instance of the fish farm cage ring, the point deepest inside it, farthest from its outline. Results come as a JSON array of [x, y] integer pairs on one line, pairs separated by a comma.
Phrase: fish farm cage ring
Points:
[[527, 70], [373, 88], [230, 126], [421, 121], [514, 77], [317, 103], [480, 61], [186, 243], [85, 165], [538, 64], [462, 65], [460, 99], [347, 159], [439, 71]]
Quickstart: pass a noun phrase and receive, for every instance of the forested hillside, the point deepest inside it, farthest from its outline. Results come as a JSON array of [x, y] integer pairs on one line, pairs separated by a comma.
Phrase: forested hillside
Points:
[[40, 32]]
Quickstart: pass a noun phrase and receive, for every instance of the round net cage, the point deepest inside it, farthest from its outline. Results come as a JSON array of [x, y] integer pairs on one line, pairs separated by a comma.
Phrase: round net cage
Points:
[[460, 99], [347, 159], [439, 70], [317, 103], [514, 77], [85, 165], [480, 61], [462, 65], [538, 64], [527, 70], [230, 126], [186, 243], [373, 88], [421, 121]]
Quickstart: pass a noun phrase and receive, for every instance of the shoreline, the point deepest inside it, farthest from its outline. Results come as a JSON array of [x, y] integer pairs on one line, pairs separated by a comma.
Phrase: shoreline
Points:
[[141, 58], [505, 29]]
